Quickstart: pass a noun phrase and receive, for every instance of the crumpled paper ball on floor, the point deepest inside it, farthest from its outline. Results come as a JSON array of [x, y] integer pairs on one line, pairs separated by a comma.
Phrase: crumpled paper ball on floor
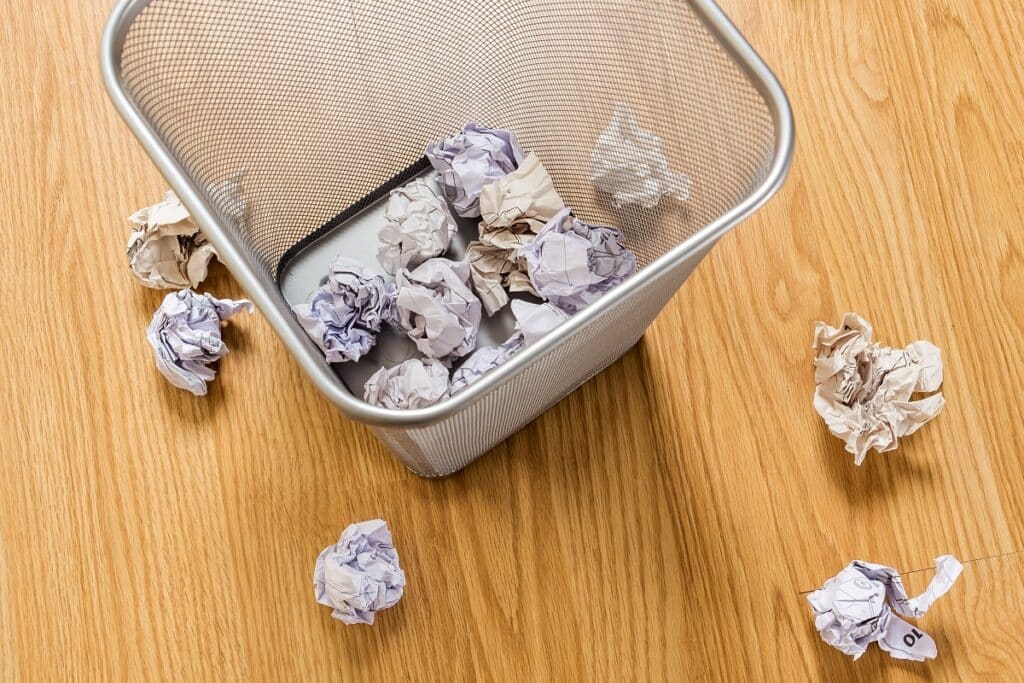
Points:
[[165, 249], [359, 575], [185, 333]]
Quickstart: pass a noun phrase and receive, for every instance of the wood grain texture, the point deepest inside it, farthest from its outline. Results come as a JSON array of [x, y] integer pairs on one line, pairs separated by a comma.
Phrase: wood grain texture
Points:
[[662, 523]]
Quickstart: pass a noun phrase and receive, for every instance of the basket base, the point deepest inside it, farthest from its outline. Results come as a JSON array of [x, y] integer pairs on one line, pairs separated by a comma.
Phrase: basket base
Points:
[[430, 474]]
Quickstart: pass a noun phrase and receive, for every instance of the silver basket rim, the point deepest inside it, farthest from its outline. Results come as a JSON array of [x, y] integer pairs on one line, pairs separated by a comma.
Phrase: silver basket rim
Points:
[[262, 290]]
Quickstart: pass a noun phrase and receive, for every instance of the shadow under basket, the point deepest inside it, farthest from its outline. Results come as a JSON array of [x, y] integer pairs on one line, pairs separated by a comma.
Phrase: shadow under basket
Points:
[[316, 105]]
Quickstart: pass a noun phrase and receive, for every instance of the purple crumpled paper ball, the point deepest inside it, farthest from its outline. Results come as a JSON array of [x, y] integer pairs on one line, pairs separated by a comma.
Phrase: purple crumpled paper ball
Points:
[[345, 314], [471, 159], [571, 263], [186, 336], [359, 575]]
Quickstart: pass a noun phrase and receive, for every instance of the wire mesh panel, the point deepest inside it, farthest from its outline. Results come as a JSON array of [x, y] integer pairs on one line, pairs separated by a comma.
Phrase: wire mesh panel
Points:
[[319, 102]]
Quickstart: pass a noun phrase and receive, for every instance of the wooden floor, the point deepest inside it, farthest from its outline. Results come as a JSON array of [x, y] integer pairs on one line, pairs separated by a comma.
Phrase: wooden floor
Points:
[[662, 523]]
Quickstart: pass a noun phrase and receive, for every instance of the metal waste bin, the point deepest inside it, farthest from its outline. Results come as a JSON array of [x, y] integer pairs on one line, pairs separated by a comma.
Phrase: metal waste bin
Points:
[[320, 102]]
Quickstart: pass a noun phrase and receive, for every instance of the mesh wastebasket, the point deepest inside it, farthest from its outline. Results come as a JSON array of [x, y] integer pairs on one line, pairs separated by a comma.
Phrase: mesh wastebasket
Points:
[[318, 103]]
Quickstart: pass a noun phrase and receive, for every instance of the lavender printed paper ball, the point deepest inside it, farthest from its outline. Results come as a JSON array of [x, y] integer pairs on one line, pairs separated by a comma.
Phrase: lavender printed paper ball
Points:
[[483, 361], [344, 315], [471, 159], [572, 264], [415, 383], [185, 333], [359, 575]]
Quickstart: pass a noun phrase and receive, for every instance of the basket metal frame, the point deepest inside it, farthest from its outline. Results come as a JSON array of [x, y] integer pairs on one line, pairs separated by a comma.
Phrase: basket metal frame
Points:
[[263, 292]]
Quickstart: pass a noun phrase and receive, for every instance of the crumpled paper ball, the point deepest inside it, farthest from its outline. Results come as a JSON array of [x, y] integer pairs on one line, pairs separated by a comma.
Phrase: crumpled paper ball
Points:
[[415, 383], [513, 210], [495, 270], [185, 333], [344, 315], [572, 264], [359, 575], [419, 226], [165, 249], [864, 390], [533, 321], [437, 309], [851, 611], [859, 606], [471, 159], [628, 163], [522, 201], [483, 361]]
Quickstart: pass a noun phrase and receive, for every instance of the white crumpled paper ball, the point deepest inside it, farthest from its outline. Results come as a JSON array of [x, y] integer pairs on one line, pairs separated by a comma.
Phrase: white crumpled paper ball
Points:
[[851, 611], [629, 164], [359, 575], [533, 321], [437, 309], [419, 226], [415, 383], [866, 392], [860, 604], [165, 248]]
